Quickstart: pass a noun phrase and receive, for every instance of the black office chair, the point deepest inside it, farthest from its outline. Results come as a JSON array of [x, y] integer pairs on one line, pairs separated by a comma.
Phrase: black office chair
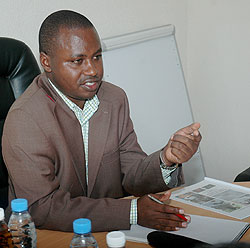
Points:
[[243, 176], [18, 67]]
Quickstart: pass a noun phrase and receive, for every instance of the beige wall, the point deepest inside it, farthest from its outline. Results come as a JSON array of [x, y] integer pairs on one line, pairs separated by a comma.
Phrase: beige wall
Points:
[[218, 76], [213, 38], [21, 19]]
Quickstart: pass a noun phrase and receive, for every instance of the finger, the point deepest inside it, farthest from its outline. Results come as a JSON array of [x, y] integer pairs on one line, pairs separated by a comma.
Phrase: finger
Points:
[[188, 217], [184, 148], [191, 142], [181, 157], [170, 223], [195, 136], [189, 130], [196, 133], [164, 197], [164, 228], [165, 208], [172, 211]]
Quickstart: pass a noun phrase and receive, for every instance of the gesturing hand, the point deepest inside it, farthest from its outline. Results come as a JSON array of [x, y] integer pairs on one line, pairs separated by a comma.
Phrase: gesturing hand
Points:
[[182, 145], [159, 216]]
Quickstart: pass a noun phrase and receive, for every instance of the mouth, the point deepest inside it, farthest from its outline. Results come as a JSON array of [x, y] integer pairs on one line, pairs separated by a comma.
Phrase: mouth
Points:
[[90, 85]]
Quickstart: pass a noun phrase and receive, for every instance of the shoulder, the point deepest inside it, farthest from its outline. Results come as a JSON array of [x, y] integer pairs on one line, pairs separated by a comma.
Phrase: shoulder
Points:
[[110, 92], [33, 100]]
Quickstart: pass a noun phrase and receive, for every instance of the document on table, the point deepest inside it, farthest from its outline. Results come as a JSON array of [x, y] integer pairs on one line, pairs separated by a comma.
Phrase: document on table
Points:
[[206, 229], [217, 196]]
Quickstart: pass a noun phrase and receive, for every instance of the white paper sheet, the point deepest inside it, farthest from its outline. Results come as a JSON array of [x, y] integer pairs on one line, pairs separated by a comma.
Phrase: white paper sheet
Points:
[[217, 196], [206, 229]]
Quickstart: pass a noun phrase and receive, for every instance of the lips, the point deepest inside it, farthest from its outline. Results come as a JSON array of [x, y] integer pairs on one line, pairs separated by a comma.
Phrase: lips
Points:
[[90, 85]]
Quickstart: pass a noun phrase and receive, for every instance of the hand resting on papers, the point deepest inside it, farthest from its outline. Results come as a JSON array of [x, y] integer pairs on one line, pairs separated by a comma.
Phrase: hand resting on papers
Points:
[[160, 216]]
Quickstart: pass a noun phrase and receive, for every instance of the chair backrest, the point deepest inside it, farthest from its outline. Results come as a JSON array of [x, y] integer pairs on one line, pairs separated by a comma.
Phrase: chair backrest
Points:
[[243, 176], [18, 67]]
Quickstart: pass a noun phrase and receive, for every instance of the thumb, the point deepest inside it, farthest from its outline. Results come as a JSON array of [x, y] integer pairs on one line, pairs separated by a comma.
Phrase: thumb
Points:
[[191, 129], [165, 196]]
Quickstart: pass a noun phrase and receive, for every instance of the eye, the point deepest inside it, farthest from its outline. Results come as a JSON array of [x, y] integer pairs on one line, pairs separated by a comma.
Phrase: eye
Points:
[[98, 57], [77, 61]]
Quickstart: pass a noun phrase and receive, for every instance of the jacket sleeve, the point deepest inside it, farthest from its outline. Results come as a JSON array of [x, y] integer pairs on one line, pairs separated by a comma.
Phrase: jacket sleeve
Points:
[[142, 173]]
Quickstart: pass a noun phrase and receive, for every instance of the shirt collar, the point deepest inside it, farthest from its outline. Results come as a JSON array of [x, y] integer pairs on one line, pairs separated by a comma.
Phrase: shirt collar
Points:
[[90, 106]]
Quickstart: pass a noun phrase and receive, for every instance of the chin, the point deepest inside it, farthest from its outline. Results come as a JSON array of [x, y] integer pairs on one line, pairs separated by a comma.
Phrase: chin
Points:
[[90, 96]]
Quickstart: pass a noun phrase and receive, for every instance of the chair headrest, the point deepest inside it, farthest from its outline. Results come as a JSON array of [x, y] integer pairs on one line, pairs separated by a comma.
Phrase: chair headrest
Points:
[[17, 64], [18, 67]]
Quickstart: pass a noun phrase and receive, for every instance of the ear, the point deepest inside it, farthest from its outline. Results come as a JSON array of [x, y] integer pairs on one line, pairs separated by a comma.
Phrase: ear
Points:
[[45, 62]]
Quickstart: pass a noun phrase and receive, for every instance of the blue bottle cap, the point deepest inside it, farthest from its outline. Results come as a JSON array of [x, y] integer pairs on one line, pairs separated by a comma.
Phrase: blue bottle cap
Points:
[[19, 205], [82, 226]]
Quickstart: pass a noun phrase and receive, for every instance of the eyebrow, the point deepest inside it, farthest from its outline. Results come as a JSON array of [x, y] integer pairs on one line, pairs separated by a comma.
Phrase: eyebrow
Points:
[[83, 55], [98, 51]]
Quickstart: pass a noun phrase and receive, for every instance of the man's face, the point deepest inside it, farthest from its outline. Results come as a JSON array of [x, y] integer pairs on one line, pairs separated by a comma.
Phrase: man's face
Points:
[[75, 65]]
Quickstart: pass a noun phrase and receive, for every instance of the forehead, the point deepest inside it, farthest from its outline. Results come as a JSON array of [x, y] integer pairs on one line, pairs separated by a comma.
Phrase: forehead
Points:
[[77, 39]]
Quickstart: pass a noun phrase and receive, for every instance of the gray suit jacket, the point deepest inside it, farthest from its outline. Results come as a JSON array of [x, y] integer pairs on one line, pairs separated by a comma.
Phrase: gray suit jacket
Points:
[[44, 154]]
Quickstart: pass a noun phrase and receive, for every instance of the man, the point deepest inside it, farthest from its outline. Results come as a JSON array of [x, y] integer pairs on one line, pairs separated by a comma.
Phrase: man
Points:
[[70, 147]]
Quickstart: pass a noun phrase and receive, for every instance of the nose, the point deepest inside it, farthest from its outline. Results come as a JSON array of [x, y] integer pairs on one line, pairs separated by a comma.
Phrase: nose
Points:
[[89, 68]]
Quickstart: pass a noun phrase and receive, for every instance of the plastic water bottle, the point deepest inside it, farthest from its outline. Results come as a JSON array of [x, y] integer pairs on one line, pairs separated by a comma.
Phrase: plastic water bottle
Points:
[[5, 235], [82, 234], [21, 225]]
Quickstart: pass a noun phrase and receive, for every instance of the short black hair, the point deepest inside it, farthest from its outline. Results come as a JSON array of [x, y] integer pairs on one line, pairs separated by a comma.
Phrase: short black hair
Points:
[[52, 24]]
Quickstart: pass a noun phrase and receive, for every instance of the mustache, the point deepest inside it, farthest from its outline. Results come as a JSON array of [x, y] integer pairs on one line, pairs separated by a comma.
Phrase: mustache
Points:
[[89, 79]]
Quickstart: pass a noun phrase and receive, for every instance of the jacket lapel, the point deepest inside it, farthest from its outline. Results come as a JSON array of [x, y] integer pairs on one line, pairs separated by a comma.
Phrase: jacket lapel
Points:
[[98, 134], [71, 129], [72, 132]]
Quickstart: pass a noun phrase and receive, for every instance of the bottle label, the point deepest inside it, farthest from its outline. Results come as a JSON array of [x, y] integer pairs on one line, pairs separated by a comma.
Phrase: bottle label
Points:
[[5, 239], [24, 236]]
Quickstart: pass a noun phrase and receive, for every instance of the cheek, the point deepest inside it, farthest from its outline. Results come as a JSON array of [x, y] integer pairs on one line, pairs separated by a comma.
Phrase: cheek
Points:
[[100, 69], [67, 80], [69, 74]]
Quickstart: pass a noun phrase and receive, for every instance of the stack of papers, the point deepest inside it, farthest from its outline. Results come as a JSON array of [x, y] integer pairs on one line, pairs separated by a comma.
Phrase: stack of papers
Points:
[[217, 196]]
